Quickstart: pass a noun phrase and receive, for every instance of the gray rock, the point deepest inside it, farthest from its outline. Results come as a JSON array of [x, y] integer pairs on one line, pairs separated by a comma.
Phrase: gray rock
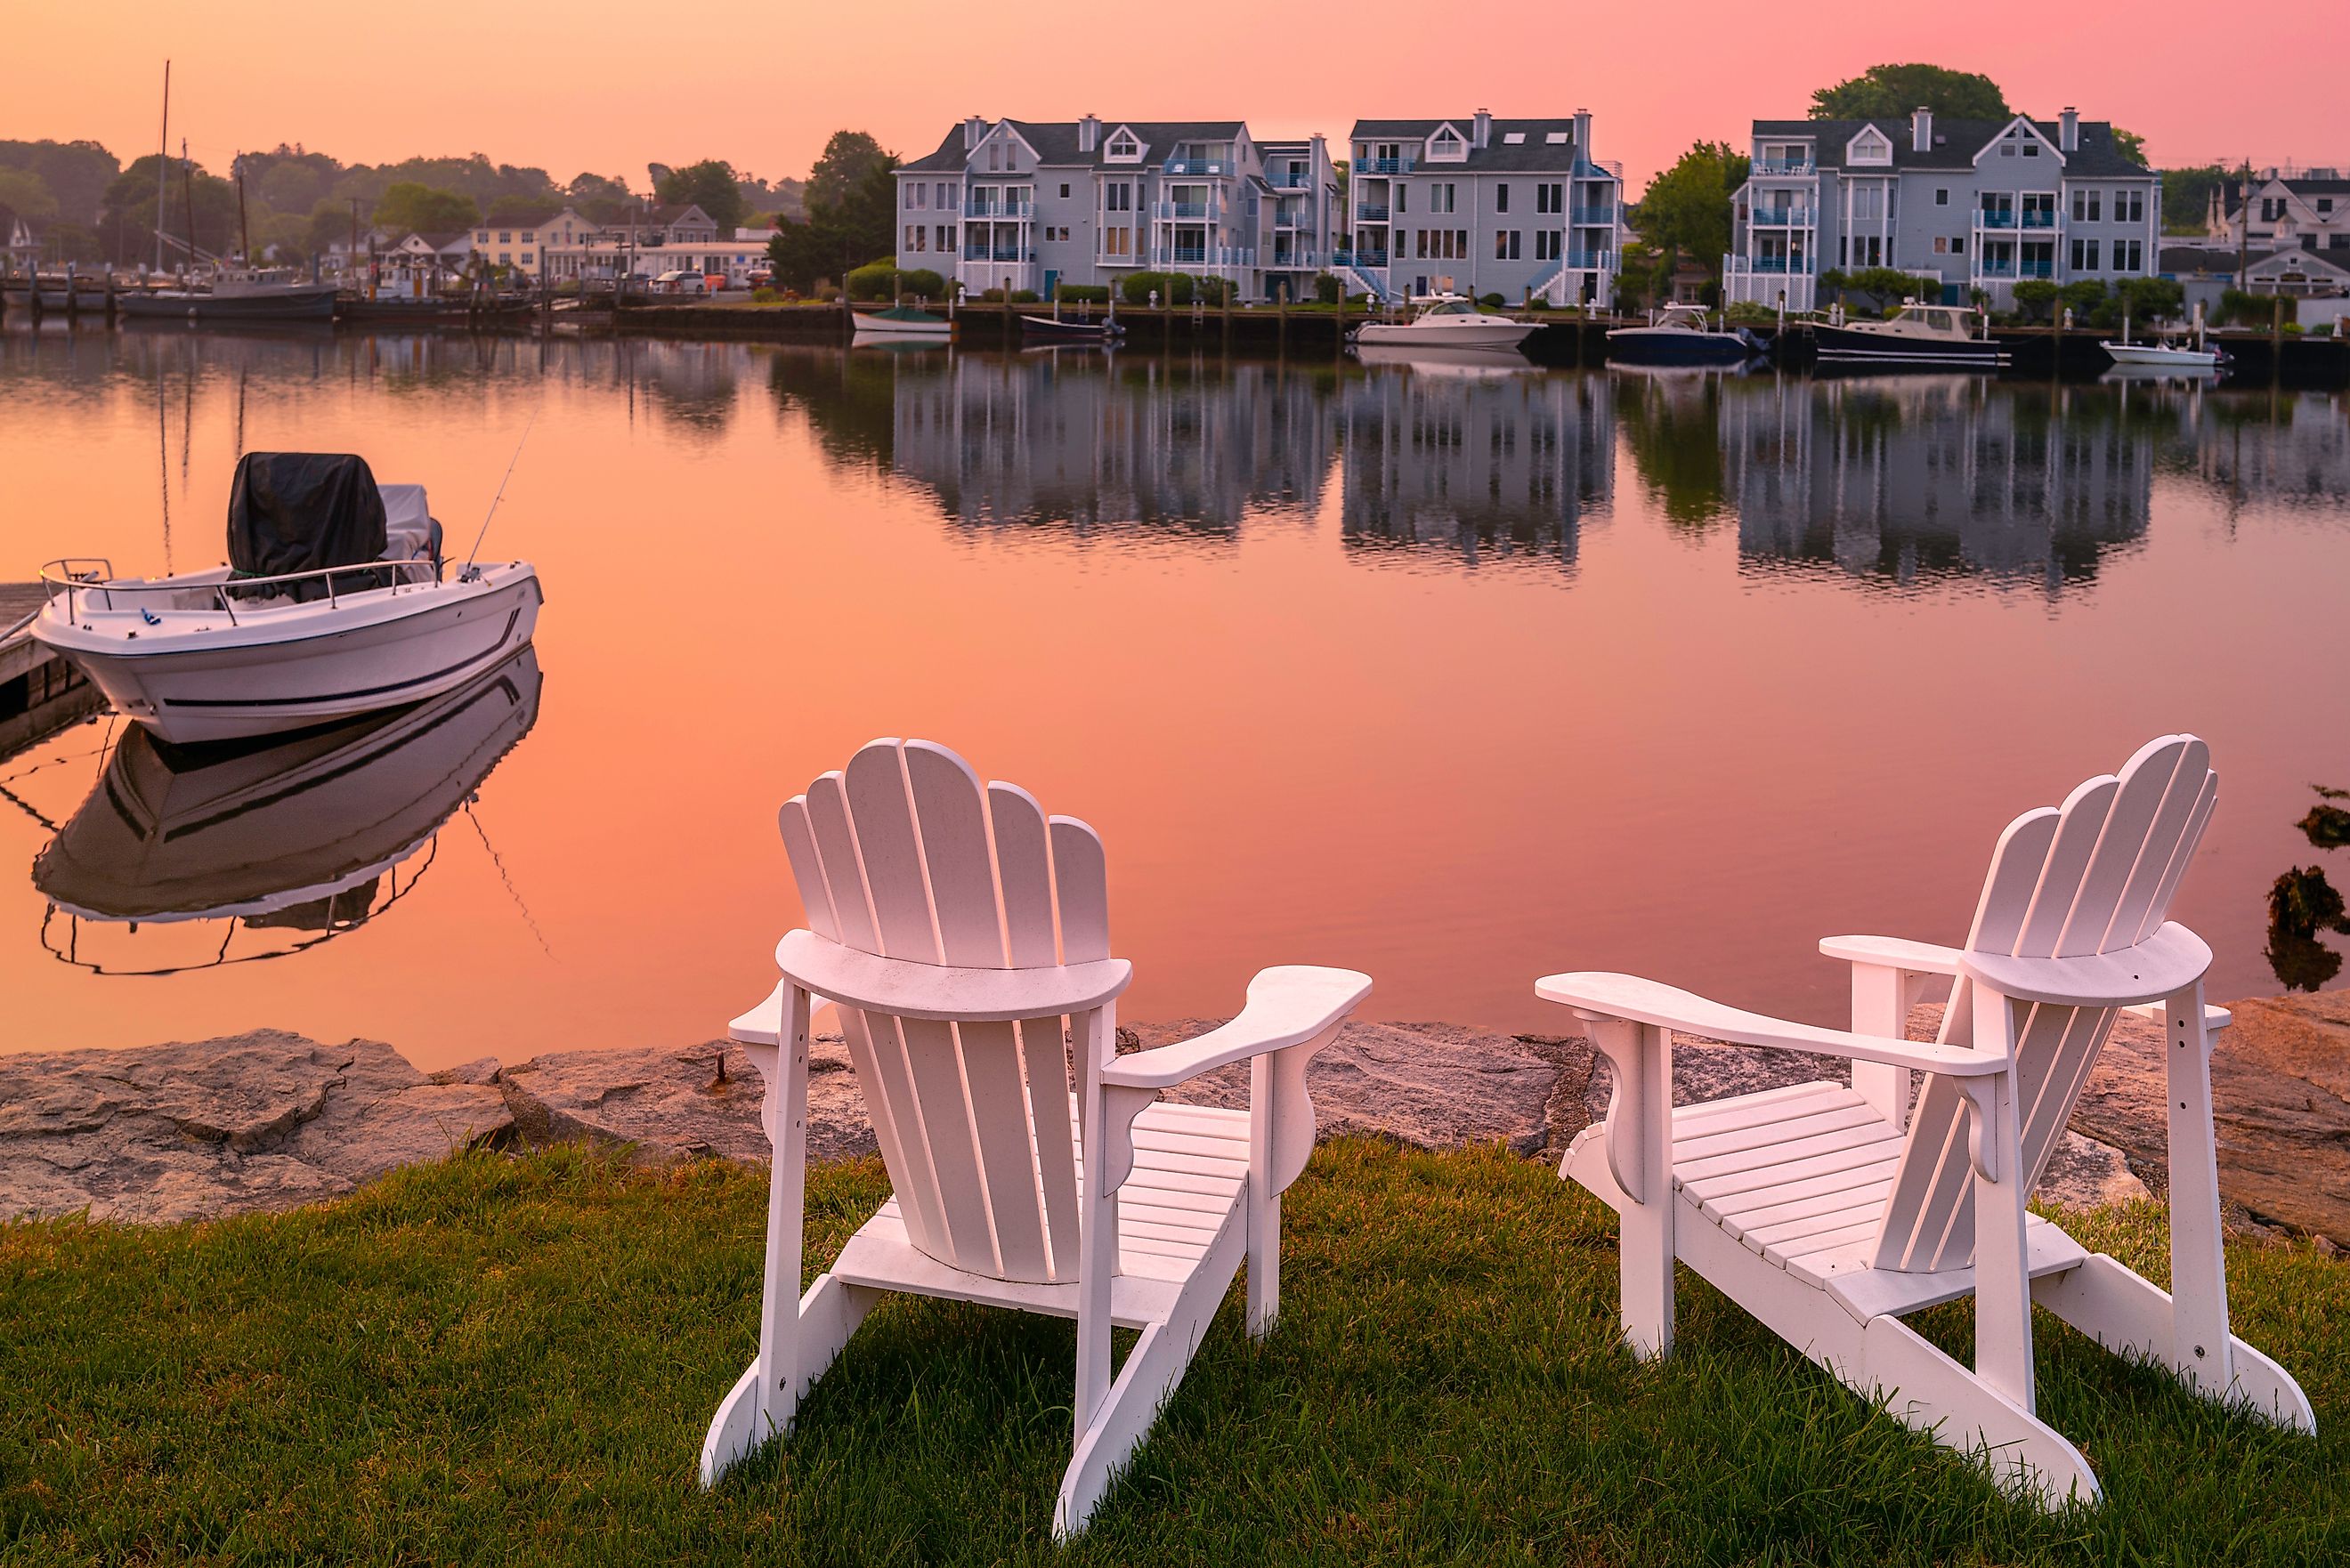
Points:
[[680, 1104], [1430, 1085], [480, 1070], [264, 1120]]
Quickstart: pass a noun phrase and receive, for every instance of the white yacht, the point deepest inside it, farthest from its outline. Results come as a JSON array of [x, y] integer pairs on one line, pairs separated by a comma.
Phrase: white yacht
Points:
[[1446, 321], [2171, 357], [1939, 336], [335, 602]]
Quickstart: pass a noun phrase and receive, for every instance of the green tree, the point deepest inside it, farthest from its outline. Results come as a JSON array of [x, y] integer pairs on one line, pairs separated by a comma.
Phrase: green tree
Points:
[[28, 195], [2129, 144], [1890, 93], [1885, 286], [410, 205], [1687, 208], [711, 185], [599, 199], [2186, 197], [2035, 297], [126, 221], [852, 214], [76, 172], [1635, 276]]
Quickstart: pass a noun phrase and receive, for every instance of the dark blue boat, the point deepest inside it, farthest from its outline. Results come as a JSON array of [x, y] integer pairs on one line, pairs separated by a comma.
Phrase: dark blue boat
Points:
[[1679, 336]]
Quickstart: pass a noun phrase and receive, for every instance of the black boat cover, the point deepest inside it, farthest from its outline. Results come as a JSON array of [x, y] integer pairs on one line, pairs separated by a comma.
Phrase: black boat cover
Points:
[[300, 511]]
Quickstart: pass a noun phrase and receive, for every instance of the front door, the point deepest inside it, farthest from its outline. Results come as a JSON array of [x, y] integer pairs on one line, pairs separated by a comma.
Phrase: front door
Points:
[[1051, 279]]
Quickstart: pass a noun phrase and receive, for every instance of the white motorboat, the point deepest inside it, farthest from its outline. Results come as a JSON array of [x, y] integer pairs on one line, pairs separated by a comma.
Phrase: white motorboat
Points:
[[1677, 334], [1446, 321], [903, 321], [1939, 336], [336, 604], [2163, 355]]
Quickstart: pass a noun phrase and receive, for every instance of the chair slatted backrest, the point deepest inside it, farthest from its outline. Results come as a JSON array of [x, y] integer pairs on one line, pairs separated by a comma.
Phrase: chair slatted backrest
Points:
[[906, 856], [2095, 876]]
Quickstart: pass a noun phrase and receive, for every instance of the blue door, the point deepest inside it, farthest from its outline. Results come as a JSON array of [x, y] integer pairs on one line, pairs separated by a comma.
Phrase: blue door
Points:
[[1051, 278]]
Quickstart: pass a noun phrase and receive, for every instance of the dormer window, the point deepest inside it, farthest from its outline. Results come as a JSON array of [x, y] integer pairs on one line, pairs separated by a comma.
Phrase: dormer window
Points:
[[1869, 147], [1124, 148], [1446, 144]]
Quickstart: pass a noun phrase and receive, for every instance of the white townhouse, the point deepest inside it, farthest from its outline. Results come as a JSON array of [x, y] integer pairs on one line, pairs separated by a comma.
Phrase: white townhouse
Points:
[[2274, 210], [1964, 204], [1479, 205], [1027, 204]]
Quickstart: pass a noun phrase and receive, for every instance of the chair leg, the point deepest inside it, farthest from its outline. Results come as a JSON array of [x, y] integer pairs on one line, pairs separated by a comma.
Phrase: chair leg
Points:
[[2200, 1345], [1644, 1102], [826, 1318], [1264, 1204], [2133, 1316], [2002, 1271]]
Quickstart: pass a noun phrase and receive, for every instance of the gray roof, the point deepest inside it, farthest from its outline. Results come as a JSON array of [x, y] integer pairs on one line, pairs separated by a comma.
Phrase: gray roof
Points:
[[1055, 141], [1956, 143], [2197, 258], [1536, 153]]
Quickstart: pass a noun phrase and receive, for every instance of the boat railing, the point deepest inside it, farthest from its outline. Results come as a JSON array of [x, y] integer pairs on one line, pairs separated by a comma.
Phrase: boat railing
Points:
[[75, 576]]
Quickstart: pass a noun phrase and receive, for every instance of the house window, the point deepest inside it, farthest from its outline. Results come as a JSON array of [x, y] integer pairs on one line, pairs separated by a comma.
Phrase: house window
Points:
[[1546, 241], [1064, 190], [1124, 146], [2272, 208], [1942, 196], [506, 237], [2085, 206], [1505, 244], [1502, 198], [2032, 149], [2129, 256], [2129, 206], [995, 156], [1958, 244], [946, 236], [1941, 246], [2085, 255], [1550, 197], [481, 236], [1444, 144], [1402, 190], [1441, 198], [527, 258]]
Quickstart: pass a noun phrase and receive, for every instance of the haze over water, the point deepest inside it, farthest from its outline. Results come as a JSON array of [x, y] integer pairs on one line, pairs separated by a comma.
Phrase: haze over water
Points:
[[1457, 678]]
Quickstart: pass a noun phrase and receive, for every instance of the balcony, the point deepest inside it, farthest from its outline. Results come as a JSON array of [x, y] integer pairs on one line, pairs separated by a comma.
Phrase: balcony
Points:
[[1783, 218], [1592, 217], [1586, 261], [1784, 166], [1370, 213], [2045, 219], [1376, 260], [1301, 181], [1185, 212], [1197, 165], [2035, 269], [1778, 266], [1995, 269], [1996, 219], [1206, 256], [1006, 210], [1007, 254], [1403, 165]]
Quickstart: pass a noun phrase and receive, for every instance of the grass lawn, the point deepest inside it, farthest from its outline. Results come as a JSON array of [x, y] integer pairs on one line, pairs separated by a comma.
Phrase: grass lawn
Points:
[[514, 1360]]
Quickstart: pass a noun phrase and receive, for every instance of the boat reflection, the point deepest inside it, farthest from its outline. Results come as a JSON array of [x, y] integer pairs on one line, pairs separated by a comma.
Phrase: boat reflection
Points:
[[304, 837]]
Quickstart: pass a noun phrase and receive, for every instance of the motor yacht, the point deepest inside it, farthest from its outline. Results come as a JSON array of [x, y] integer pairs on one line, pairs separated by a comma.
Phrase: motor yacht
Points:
[[1939, 336], [238, 293], [1446, 321], [1677, 334], [335, 602], [2173, 356]]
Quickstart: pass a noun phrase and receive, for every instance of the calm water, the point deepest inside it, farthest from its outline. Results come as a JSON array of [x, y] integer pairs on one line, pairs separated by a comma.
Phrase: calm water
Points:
[[1456, 677]]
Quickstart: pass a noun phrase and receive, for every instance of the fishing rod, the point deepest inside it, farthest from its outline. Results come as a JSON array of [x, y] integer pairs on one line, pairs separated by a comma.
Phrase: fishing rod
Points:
[[467, 574]]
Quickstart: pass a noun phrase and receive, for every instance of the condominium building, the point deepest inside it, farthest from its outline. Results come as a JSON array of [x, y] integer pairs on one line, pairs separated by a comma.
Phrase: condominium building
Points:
[[1479, 205], [1027, 204], [1965, 206]]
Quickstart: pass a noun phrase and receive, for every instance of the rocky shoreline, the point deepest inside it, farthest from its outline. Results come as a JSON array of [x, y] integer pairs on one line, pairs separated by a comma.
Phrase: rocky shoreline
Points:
[[272, 1120]]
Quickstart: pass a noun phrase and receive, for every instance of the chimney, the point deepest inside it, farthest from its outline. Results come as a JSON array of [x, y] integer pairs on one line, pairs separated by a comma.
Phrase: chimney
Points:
[[1089, 132], [2068, 130], [1921, 129], [1483, 133], [973, 130], [1583, 135]]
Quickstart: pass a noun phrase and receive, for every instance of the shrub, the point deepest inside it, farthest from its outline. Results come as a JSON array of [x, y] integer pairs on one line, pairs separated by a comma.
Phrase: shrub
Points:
[[875, 280], [1749, 313], [1325, 288], [1209, 290], [2036, 297], [1538, 303], [1082, 292], [992, 295], [762, 296], [922, 280], [1027, 297], [1493, 301], [1174, 287]]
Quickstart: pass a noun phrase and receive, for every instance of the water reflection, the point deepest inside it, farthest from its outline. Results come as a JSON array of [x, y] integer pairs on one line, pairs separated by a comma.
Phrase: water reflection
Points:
[[303, 836], [1473, 459], [2304, 903]]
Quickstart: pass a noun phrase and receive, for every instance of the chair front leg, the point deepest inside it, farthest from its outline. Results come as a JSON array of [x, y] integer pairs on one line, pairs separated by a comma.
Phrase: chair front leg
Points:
[[1280, 1139], [2002, 1268], [785, 1113], [1639, 1134], [2201, 1351]]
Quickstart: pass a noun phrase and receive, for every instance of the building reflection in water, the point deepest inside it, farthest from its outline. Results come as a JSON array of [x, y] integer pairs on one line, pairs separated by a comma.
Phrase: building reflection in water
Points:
[[1472, 458], [1903, 478]]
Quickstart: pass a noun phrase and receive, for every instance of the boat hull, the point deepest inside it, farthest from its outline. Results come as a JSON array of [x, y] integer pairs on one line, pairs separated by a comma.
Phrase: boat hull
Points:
[[2156, 357], [294, 304], [268, 678], [1673, 346], [1498, 337], [875, 326], [1853, 346]]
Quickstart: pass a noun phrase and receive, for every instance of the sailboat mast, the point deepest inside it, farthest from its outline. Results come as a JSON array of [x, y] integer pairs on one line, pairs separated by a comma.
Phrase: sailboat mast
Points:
[[163, 166], [188, 194], [244, 234]]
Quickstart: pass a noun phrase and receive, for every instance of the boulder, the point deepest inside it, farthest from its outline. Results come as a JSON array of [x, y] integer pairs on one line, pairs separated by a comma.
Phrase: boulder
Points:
[[675, 1104], [192, 1129]]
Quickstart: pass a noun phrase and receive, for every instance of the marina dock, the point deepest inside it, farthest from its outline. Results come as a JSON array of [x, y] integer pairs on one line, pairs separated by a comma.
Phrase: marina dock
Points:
[[39, 692]]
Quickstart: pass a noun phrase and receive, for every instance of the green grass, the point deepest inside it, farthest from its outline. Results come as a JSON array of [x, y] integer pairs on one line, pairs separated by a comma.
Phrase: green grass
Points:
[[514, 1360]]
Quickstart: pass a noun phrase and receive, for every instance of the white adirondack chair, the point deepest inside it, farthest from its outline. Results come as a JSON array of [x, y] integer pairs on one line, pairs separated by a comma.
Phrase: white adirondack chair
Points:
[[931, 906], [1829, 1211]]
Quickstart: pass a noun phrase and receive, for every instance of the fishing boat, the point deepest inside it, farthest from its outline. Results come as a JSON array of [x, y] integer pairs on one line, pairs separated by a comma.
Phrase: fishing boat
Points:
[[1060, 329], [2173, 356], [902, 321], [1445, 321], [1940, 337], [286, 830], [1677, 334], [238, 293], [335, 602]]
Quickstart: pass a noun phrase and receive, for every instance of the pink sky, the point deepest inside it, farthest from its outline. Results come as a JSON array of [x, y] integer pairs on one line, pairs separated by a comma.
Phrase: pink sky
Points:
[[605, 87]]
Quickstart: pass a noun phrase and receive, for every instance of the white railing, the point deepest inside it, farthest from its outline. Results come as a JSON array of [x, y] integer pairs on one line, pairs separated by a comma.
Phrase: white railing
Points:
[[81, 578]]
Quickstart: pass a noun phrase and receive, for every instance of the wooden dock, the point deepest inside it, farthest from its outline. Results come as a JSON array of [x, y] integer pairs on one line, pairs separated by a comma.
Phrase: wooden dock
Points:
[[39, 692]]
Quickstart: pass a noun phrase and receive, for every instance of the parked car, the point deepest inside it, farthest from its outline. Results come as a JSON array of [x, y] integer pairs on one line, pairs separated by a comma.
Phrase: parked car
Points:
[[677, 280]]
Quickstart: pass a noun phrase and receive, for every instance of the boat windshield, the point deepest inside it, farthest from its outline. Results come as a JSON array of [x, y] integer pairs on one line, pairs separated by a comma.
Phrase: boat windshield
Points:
[[1944, 318], [1449, 307]]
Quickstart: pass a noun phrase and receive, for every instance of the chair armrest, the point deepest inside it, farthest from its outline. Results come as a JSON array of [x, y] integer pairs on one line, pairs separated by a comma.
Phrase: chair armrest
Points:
[[1894, 952], [1647, 1001], [910, 990], [2214, 1018], [763, 1024], [1286, 1006]]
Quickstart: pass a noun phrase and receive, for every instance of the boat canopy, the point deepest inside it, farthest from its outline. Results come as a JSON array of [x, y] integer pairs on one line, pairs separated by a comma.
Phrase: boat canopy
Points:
[[410, 532], [300, 511]]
